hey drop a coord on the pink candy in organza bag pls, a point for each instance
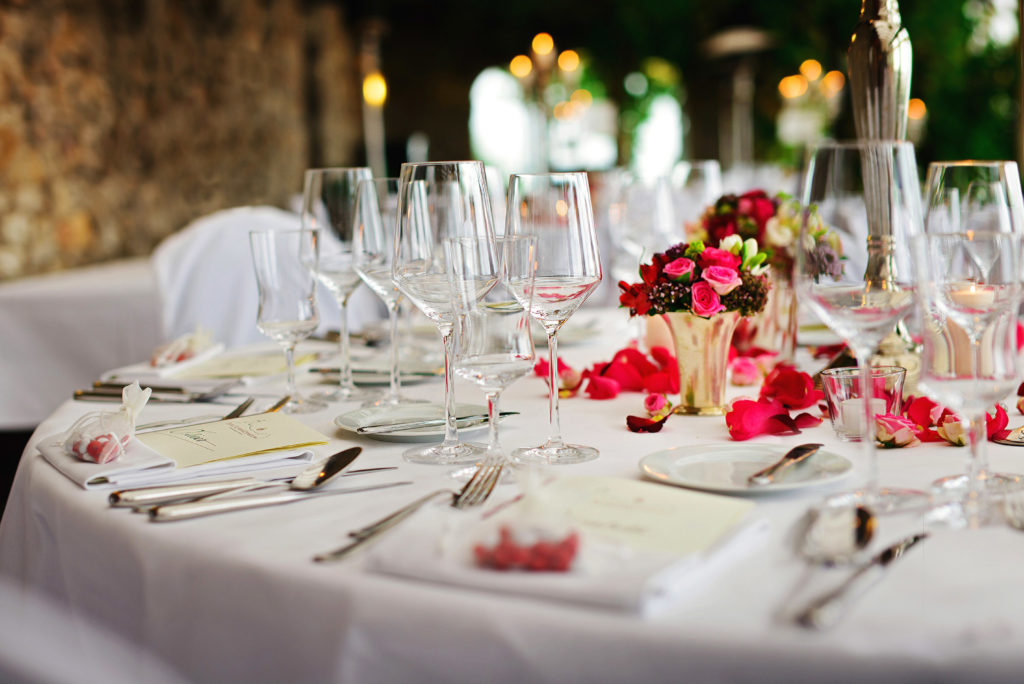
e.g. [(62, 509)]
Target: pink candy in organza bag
[(101, 436)]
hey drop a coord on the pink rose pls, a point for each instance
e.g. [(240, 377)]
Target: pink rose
[(895, 431), (722, 279), (744, 370), (656, 404), (680, 269), (712, 256), (952, 430), (705, 299)]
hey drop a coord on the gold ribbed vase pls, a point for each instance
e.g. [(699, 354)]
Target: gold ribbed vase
[(702, 352)]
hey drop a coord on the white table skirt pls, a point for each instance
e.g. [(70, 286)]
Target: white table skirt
[(237, 598)]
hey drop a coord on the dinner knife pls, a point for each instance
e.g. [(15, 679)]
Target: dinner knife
[(195, 509), (792, 457), (826, 610), (461, 422)]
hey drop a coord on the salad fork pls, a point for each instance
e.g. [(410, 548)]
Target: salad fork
[(473, 493)]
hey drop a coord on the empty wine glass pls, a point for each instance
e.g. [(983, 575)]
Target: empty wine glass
[(495, 346), (328, 204), (852, 265), (695, 185), (970, 361), (437, 201), (285, 262), (373, 248), (555, 209)]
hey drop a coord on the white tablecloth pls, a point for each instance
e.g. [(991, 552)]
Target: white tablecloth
[(236, 597)]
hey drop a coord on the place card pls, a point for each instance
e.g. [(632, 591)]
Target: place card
[(646, 516), (230, 439)]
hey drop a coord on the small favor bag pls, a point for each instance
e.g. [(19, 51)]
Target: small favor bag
[(101, 436)]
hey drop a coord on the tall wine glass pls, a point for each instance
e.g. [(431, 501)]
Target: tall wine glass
[(968, 195), (437, 201), (286, 282), (695, 185), (373, 248), (970, 357), (495, 346), (328, 204), (555, 208), (853, 267)]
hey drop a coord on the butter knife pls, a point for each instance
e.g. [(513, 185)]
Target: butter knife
[(461, 422), (826, 610), (792, 457), (195, 509)]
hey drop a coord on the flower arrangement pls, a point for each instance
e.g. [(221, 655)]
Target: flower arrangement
[(775, 223), (702, 280)]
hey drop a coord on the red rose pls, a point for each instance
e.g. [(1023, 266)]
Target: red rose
[(719, 227), (634, 297), (757, 205), (712, 256), (792, 388)]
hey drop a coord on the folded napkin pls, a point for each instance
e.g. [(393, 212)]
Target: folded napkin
[(436, 546), (140, 465), (145, 371)]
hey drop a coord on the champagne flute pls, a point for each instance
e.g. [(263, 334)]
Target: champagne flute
[(436, 201), (555, 208), (858, 277), (287, 313), (328, 204), (495, 345), (373, 248)]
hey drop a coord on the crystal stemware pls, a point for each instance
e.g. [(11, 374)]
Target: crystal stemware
[(695, 185), (495, 346), (437, 201), (970, 360), (285, 262), (328, 204), (555, 208), (853, 267), (373, 248)]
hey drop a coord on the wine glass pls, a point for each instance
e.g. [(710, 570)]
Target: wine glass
[(970, 361), (495, 346), (436, 201), (373, 247), (555, 208), (852, 264), (328, 204), (695, 185), (287, 313)]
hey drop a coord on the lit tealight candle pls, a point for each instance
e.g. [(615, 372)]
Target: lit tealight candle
[(974, 297)]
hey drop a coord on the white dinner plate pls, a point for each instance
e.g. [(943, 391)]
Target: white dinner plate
[(726, 468), (375, 415)]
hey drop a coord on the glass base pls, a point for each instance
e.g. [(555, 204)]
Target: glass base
[(300, 404), (388, 401), (565, 454), (349, 393), (445, 454), (994, 483), (885, 500)]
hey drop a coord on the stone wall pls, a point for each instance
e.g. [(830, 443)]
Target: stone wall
[(121, 120)]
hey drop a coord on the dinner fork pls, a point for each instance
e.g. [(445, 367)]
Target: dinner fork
[(474, 493)]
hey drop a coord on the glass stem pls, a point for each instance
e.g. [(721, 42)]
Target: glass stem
[(451, 432), (493, 413), (555, 423), (289, 361), (867, 429), (344, 364), (977, 470), (396, 381)]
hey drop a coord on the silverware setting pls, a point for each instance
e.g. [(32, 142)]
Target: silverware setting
[(179, 394), (793, 457), (236, 412), (473, 493), (826, 610), (461, 422), (378, 371)]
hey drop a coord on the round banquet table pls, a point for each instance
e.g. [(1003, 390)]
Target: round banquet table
[(236, 597)]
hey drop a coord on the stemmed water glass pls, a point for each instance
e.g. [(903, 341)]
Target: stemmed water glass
[(328, 204), (438, 201), (285, 262), (495, 346), (856, 275), (373, 248), (695, 185), (970, 361), (555, 208), (972, 195)]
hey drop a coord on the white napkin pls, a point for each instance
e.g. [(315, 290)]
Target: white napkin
[(140, 465), (435, 545), (144, 371)]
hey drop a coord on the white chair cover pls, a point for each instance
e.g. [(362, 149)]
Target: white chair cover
[(205, 277)]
